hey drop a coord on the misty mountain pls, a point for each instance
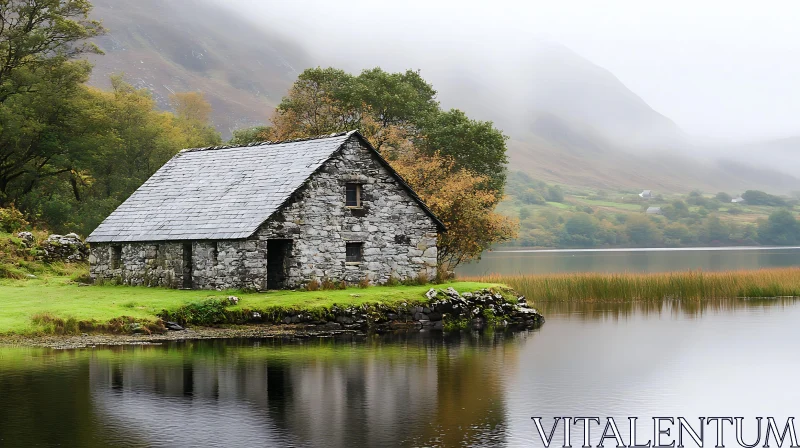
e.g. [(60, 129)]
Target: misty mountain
[(194, 45), (562, 83), (569, 120)]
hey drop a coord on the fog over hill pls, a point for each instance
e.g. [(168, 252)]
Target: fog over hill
[(569, 119), (186, 45)]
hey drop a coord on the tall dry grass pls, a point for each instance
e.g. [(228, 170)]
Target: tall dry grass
[(689, 285)]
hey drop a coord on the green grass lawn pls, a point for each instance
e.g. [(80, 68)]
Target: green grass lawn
[(61, 298)]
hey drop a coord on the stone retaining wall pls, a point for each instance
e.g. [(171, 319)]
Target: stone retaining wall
[(443, 310)]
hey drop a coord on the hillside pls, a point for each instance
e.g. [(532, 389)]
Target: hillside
[(567, 85), (193, 45), (570, 121)]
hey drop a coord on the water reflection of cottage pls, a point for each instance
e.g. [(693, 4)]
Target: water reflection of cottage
[(254, 395)]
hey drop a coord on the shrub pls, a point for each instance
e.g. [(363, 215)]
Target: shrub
[(392, 281), (312, 285), (328, 284), (756, 197), (206, 312), (12, 220)]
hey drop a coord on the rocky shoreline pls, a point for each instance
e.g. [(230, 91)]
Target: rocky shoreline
[(443, 311)]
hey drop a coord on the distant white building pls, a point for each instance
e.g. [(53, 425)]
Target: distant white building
[(737, 200), (646, 194), (653, 210)]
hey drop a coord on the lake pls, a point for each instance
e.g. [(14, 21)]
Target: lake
[(727, 358), (510, 262)]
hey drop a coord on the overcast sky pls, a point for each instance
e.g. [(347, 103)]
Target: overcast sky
[(721, 69)]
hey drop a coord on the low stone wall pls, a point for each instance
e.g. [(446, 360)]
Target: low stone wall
[(444, 310)]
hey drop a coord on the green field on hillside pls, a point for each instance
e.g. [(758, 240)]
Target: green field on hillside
[(563, 216)]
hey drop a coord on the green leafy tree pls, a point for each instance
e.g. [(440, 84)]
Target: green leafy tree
[(723, 197), (716, 231), (641, 230), (554, 194), (39, 89), (756, 197), (581, 224), (780, 229), (475, 145), (246, 136), (395, 109), (37, 36)]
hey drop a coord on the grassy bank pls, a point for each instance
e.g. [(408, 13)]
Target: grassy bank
[(18, 261), (689, 285), (56, 304)]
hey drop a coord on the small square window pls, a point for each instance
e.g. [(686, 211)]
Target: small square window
[(354, 252), (352, 195)]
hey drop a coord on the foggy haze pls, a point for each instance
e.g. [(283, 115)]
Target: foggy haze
[(720, 70)]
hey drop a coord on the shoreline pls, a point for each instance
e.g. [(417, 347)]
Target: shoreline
[(68, 342), (253, 331), (442, 310)]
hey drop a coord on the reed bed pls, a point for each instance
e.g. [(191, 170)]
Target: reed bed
[(623, 287)]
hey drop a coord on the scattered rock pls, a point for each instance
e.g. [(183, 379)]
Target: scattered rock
[(67, 248), (233, 300), (27, 238), (431, 294), (172, 326), (330, 326), (136, 328)]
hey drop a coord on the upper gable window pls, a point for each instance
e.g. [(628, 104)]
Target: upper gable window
[(352, 195)]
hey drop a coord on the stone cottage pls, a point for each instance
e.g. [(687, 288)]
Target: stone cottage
[(269, 216)]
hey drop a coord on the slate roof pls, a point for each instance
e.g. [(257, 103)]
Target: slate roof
[(222, 192)]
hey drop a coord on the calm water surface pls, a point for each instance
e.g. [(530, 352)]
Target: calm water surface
[(725, 358), (631, 260)]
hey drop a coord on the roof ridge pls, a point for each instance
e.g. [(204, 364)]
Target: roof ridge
[(270, 142)]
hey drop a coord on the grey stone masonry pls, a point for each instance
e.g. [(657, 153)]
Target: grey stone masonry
[(392, 233), (399, 238)]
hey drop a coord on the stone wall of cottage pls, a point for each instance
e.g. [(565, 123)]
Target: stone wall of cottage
[(140, 264), (216, 265), (398, 237)]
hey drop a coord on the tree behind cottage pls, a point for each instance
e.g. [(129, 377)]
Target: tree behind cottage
[(388, 107), (456, 165)]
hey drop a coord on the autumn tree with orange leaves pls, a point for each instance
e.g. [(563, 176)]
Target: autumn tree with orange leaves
[(455, 164)]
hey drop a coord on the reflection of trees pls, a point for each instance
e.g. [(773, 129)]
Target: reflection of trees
[(470, 405), (46, 400), (401, 389)]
